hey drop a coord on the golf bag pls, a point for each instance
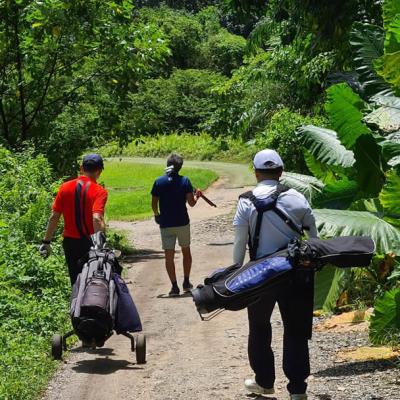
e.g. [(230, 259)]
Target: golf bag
[(94, 297), (236, 287)]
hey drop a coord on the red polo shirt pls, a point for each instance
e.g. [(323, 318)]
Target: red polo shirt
[(90, 199)]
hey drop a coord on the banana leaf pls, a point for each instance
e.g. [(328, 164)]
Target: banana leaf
[(390, 195), (308, 185), (387, 116), (329, 285), (385, 321), (324, 145)]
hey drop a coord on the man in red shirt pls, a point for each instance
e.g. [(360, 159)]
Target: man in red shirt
[(81, 202)]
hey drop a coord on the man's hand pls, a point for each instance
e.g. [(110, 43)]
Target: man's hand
[(157, 218), (45, 249), (198, 193)]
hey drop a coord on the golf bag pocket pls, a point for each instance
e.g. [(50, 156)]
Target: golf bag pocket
[(95, 320), (235, 287), (127, 317)]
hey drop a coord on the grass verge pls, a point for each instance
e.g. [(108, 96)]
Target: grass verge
[(129, 184)]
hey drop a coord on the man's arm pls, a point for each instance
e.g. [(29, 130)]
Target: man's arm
[(191, 199), (154, 205), (309, 222), (99, 224), (241, 224), (239, 246), (52, 225)]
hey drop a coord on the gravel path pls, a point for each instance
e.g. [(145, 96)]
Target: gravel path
[(191, 359)]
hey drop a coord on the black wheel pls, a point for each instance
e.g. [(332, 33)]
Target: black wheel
[(141, 349), (57, 347)]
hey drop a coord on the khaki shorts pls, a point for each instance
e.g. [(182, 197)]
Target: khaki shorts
[(169, 236)]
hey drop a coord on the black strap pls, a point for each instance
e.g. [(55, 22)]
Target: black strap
[(84, 208), (78, 213), (80, 209), (261, 208)]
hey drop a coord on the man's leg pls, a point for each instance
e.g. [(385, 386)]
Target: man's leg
[(187, 262), (296, 362), (170, 264), (183, 233), (74, 250), (296, 305), (261, 356)]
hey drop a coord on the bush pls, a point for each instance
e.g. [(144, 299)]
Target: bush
[(191, 147), (33, 292), (280, 135), (223, 52), (182, 102)]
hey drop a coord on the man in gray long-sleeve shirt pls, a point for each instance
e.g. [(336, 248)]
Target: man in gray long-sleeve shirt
[(295, 298)]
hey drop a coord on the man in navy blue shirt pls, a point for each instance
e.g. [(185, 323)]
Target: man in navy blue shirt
[(170, 193)]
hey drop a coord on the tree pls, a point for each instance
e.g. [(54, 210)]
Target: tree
[(55, 53)]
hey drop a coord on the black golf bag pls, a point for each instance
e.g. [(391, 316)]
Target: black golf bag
[(236, 287), (94, 297)]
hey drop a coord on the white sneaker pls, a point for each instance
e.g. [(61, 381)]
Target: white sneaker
[(253, 387), (298, 397)]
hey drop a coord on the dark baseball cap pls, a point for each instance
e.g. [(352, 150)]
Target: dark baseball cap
[(93, 161)]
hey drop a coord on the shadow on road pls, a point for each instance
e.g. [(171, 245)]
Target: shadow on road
[(103, 366), (105, 351), (142, 255), (357, 368), (259, 397), (166, 296)]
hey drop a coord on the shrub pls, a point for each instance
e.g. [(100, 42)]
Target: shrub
[(181, 102), (33, 292), (191, 147), (279, 135), (223, 52)]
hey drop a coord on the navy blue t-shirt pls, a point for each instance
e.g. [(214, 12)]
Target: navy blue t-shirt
[(172, 190)]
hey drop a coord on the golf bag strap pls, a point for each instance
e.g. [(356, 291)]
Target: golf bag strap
[(80, 201), (254, 242)]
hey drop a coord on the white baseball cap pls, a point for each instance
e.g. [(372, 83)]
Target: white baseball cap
[(267, 159)]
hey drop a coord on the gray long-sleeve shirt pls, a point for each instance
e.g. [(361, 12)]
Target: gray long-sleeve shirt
[(274, 233)]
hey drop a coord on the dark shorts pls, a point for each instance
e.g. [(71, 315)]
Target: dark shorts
[(74, 250)]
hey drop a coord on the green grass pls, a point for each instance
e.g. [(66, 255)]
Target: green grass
[(129, 185)]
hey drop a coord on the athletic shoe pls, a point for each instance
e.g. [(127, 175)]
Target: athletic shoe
[(187, 287), (298, 397), (174, 292), (253, 387)]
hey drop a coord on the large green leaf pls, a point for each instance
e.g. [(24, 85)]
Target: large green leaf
[(391, 146), (332, 223), (344, 110), (385, 321), (320, 170), (390, 195), (338, 194), (390, 8), (308, 185), (387, 116), (329, 285), (368, 166), (388, 66), (324, 145), (367, 43)]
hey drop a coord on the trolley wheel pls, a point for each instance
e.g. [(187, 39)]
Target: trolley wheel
[(141, 349), (57, 347)]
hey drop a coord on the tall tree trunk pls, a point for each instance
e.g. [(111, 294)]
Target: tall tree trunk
[(20, 86), (4, 122)]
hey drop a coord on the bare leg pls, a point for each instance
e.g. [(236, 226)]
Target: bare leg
[(170, 264), (187, 261)]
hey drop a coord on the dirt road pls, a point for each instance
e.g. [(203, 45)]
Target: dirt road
[(187, 358)]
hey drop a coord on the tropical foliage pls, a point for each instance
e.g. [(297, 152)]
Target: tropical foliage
[(356, 164)]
